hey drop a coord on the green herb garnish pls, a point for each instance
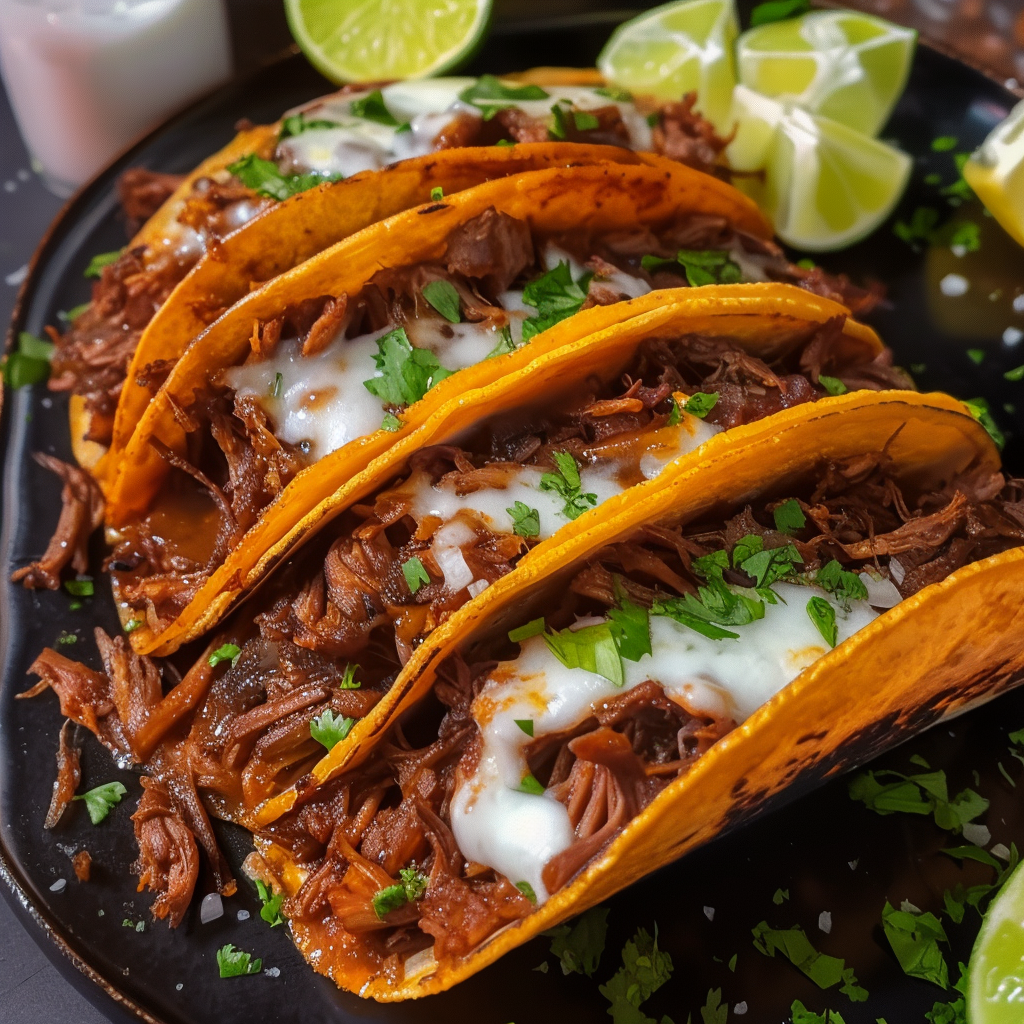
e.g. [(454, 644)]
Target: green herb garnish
[(825, 971), (101, 260), (915, 939), (789, 517), (532, 628), (566, 483), (700, 266), (329, 729), (918, 794), (99, 801), (944, 143), (373, 108), (407, 373), (591, 648), (505, 343), (777, 10), (226, 652), (412, 886), (823, 615), (842, 584), (527, 890), (526, 724), (296, 124), (233, 963), (645, 968), (29, 363), (348, 679), (525, 520), (976, 355), (530, 785), (391, 423), (555, 296), (630, 625), (979, 409), (490, 94), (833, 385), (415, 574), (271, 909), (701, 403), (83, 587), (444, 298), (265, 178)]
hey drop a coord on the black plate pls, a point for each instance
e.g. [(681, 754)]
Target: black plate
[(830, 854)]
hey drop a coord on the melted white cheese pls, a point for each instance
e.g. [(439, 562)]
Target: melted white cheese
[(428, 106), (518, 833)]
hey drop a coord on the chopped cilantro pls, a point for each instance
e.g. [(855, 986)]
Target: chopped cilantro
[(101, 260), (29, 363), (233, 963), (558, 129), (714, 1011), (391, 423), (132, 624), (915, 939), (348, 679), (407, 373), (921, 227), (412, 886), (566, 483), (770, 565), (526, 724), (504, 142), (490, 94), (979, 409), (645, 968), (555, 296), (437, 193), (675, 415), (226, 652), (777, 10), (965, 237), (976, 355), (956, 901), (630, 625), (82, 587), (933, 179), (71, 315), (525, 520), (271, 909), (732, 962), (265, 178), (1014, 375), (801, 1015), (959, 191), (532, 628), (415, 574), (505, 343), (529, 784), (66, 638), (329, 729), (444, 298), (701, 404), (944, 143), (373, 108), (700, 266), (527, 890), (955, 1011), (789, 517), (844, 585), (833, 385), (806, 264), (579, 945), (715, 606), (780, 895), (100, 800), (296, 124), (275, 388), (614, 93), (823, 615), (825, 971), (584, 121), (592, 648), (918, 794)]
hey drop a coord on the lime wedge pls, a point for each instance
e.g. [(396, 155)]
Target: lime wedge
[(996, 173), (995, 976), (825, 185), (847, 66), (675, 49), (377, 40)]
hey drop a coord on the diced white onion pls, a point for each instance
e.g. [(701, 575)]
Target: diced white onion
[(211, 908), (882, 593), (896, 570)]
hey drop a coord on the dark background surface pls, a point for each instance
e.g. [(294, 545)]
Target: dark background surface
[(808, 847)]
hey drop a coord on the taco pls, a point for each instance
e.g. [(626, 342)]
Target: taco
[(796, 602), (359, 129)]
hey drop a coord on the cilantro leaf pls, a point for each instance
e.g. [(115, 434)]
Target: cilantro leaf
[(918, 794), (778, 10), (415, 574), (566, 483), (531, 785), (915, 939), (700, 266), (100, 800), (701, 403), (29, 363), (789, 517), (265, 178), (83, 587), (675, 415), (979, 409), (391, 423), (920, 228), (101, 260), (716, 605), (579, 945), (444, 298), (799, 1012), (955, 1011), (585, 121), (712, 564), (329, 729), (490, 94), (714, 1011), (526, 724), (614, 93), (407, 373), (532, 628), (437, 193), (527, 890), (770, 565), (842, 584), (833, 385), (412, 885), (780, 896), (555, 296), (823, 615), (296, 124), (630, 625), (558, 129), (271, 909), (505, 343), (825, 971), (525, 520), (592, 648), (71, 315), (226, 652), (373, 108), (348, 678), (645, 968), (234, 963)]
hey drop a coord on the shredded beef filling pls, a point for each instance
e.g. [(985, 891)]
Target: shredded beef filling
[(357, 833)]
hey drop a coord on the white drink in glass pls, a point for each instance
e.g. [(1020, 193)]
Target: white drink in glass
[(86, 78)]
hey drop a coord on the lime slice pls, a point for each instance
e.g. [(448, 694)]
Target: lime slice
[(675, 49), (825, 185), (847, 66), (995, 976), (376, 40), (996, 173)]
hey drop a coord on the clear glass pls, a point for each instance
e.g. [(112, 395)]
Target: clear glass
[(86, 78)]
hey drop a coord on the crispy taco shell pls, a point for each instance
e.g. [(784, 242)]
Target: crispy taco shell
[(766, 319), (949, 647)]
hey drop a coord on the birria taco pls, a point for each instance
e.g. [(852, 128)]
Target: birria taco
[(333, 363), (797, 601), (195, 219)]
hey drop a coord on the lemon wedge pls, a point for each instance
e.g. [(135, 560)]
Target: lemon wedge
[(996, 173)]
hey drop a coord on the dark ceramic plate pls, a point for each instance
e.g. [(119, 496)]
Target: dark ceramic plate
[(830, 854)]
